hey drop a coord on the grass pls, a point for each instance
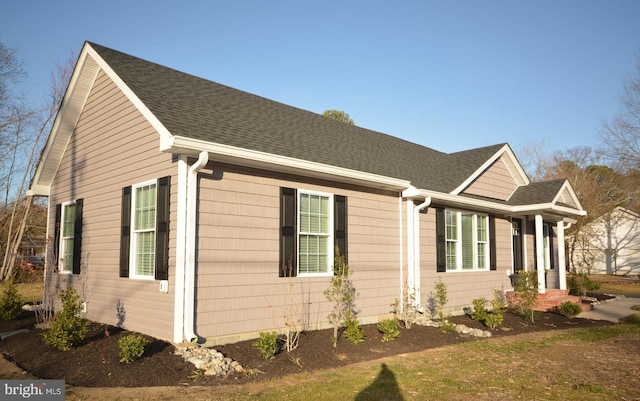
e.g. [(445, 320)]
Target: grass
[(549, 366), (500, 369), (610, 284)]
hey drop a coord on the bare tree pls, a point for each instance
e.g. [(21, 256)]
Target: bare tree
[(27, 129), (621, 135), (536, 158)]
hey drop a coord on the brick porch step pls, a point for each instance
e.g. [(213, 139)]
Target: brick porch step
[(552, 298)]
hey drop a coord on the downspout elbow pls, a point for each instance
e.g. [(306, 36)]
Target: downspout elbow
[(189, 282), (424, 204)]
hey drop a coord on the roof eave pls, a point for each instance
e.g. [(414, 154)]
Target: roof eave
[(283, 164), (492, 207)]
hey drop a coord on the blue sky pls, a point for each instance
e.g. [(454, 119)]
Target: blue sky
[(451, 75)]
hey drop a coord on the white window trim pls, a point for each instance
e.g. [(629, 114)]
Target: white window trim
[(458, 242), (134, 238), (330, 236), (65, 266)]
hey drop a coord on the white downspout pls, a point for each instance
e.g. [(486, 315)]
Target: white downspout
[(410, 254), (400, 217), (190, 246), (178, 319), (416, 249)]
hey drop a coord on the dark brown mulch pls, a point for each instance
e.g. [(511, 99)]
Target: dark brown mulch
[(95, 363)]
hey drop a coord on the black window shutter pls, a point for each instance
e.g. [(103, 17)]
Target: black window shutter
[(77, 237), (492, 243), (288, 231), (340, 225), (441, 251), (125, 231), (162, 228), (56, 235)]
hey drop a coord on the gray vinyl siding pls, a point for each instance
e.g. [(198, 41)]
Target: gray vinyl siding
[(238, 288), (496, 182), (113, 146), (463, 287)]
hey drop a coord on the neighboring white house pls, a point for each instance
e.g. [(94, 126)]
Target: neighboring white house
[(612, 244)]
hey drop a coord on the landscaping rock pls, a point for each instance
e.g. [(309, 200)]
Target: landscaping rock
[(212, 362)]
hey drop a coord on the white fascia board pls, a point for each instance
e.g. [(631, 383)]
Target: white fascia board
[(567, 186), (505, 150), (257, 159)]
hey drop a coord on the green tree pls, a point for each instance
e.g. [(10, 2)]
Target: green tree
[(338, 115)]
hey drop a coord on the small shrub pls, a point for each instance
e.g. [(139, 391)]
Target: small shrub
[(131, 347), (526, 294), (11, 302), (494, 320), (267, 344), (353, 332), (67, 328), (579, 283), (341, 294), (479, 312), (441, 300), (389, 329), (407, 311), (569, 309), (631, 319), (498, 302)]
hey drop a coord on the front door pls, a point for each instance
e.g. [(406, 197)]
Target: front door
[(516, 231)]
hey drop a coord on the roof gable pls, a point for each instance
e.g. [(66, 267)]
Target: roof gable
[(498, 177)]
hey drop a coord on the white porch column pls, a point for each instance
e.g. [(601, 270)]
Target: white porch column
[(562, 268), (540, 254)]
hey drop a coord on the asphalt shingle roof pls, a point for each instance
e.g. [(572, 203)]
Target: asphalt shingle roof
[(537, 192), (196, 108)]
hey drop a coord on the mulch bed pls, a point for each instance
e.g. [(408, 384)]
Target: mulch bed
[(95, 363)]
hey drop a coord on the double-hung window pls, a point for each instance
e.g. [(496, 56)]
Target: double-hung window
[(313, 224), (467, 241), (68, 236), (143, 240), (145, 230), (315, 253)]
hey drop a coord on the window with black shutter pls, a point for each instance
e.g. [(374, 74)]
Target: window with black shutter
[(307, 242)]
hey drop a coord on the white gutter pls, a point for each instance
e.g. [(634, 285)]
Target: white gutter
[(258, 159), (190, 246), (491, 206)]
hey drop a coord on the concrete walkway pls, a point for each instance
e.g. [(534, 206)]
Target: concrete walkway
[(613, 310)]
